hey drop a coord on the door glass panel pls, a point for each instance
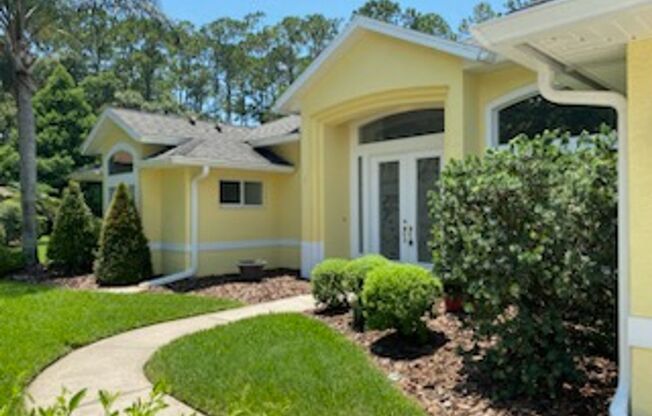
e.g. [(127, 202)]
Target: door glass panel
[(427, 176), (389, 200)]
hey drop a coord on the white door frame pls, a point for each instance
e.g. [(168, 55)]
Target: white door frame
[(431, 145)]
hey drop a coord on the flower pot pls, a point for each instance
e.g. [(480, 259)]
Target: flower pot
[(454, 304), (253, 270)]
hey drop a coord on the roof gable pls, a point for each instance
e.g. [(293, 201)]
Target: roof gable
[(285, 104)]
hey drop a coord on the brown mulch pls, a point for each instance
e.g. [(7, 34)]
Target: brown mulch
[(277, 284), (437, 377)]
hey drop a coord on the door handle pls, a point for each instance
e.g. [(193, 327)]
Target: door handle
[(411, 242), (405, 232)]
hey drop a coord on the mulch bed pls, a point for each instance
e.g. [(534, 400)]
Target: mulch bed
[(436, 376), (277, 284)]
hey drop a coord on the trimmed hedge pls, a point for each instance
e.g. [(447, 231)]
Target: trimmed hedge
[(123, 256), (327, 281), (356, 274), (74, 236), (397, 296)]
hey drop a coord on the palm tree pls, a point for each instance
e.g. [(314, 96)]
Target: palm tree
[(26, 25)]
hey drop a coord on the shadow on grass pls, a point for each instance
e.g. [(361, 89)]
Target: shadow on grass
[(396, 347)]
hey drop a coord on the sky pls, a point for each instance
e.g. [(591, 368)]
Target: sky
[(204, 11)]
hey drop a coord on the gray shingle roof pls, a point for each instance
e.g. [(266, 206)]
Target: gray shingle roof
[(274, 129), (199, 141), (154, 125)]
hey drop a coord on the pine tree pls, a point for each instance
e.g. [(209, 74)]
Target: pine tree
[(74, 235), (63, 119), (123, 256)]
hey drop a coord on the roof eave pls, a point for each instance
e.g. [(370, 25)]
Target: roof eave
[(276, 140), (174, 161)]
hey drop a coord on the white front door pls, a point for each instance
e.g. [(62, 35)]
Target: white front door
[(399, 211)]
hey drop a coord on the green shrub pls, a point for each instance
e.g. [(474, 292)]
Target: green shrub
[(74, 236), (11, 220), (528, 236), (358, 269), (327, 281), (397, 296), (355, 274), (123, 254), (11, 259)]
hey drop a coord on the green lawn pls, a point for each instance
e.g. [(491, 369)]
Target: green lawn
[(272, 365), (42, 249), (39, 324)]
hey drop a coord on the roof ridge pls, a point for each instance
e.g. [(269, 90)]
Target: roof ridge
[(176, 116)]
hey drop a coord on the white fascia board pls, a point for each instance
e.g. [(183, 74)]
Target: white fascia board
[(275, 140), (186, 161), (515, 27), (465, 51)]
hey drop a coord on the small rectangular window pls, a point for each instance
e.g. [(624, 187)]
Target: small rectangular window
[(229, 192), (253, 193), (242, 193)]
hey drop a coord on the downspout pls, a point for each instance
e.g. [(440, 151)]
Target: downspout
[(194, 237), (620, 403)]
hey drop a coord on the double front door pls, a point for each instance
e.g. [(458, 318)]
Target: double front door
[(399, 205)]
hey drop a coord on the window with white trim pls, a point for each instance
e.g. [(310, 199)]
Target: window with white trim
[(533, 114), (241, 193)]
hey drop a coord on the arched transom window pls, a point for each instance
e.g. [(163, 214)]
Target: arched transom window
[(121, 162), (401, 125)]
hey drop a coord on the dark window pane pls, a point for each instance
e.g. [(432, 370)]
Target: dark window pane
[(535, 114), (253, 193), (229, 192), (427, 176), (408, 124), (389, 203), (121, 162)]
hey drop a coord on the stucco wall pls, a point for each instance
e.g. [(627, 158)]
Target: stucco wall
[(639, 70)]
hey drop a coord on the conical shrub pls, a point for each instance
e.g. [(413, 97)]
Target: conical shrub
[(74, 236), (123, 257)]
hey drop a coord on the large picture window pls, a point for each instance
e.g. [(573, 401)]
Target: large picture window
[(534, 114), (241, 193), (402, 125)]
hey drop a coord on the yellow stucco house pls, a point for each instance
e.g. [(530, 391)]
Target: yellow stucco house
[(368, 127)]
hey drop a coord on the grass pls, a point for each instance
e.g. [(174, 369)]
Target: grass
[(38, 324), (287, 364)]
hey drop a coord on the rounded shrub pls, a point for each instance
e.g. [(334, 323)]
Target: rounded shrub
[(355, 274), (11, 259), (327, 281), (74, 235), (397, 296), (123, 256), (358, 269)]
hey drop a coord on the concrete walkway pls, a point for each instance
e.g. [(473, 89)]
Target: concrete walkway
[(116, 364)]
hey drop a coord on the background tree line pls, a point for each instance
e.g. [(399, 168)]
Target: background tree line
[(63, 61)]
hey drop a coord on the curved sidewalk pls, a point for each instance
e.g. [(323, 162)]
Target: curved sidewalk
[(116, 364)]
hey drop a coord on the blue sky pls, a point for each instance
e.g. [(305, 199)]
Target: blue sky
[(203, 11)]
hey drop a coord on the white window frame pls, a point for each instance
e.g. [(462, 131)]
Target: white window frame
[(492, 112), (128, 178), (242, 203)]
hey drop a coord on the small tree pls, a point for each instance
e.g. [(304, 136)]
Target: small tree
[(527, 236), (74, 235), (123, 256)]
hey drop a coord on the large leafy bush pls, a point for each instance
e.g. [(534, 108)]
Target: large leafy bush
[(327, 281), (528, 236), (123, 255), (397, 296), (74, 235)]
